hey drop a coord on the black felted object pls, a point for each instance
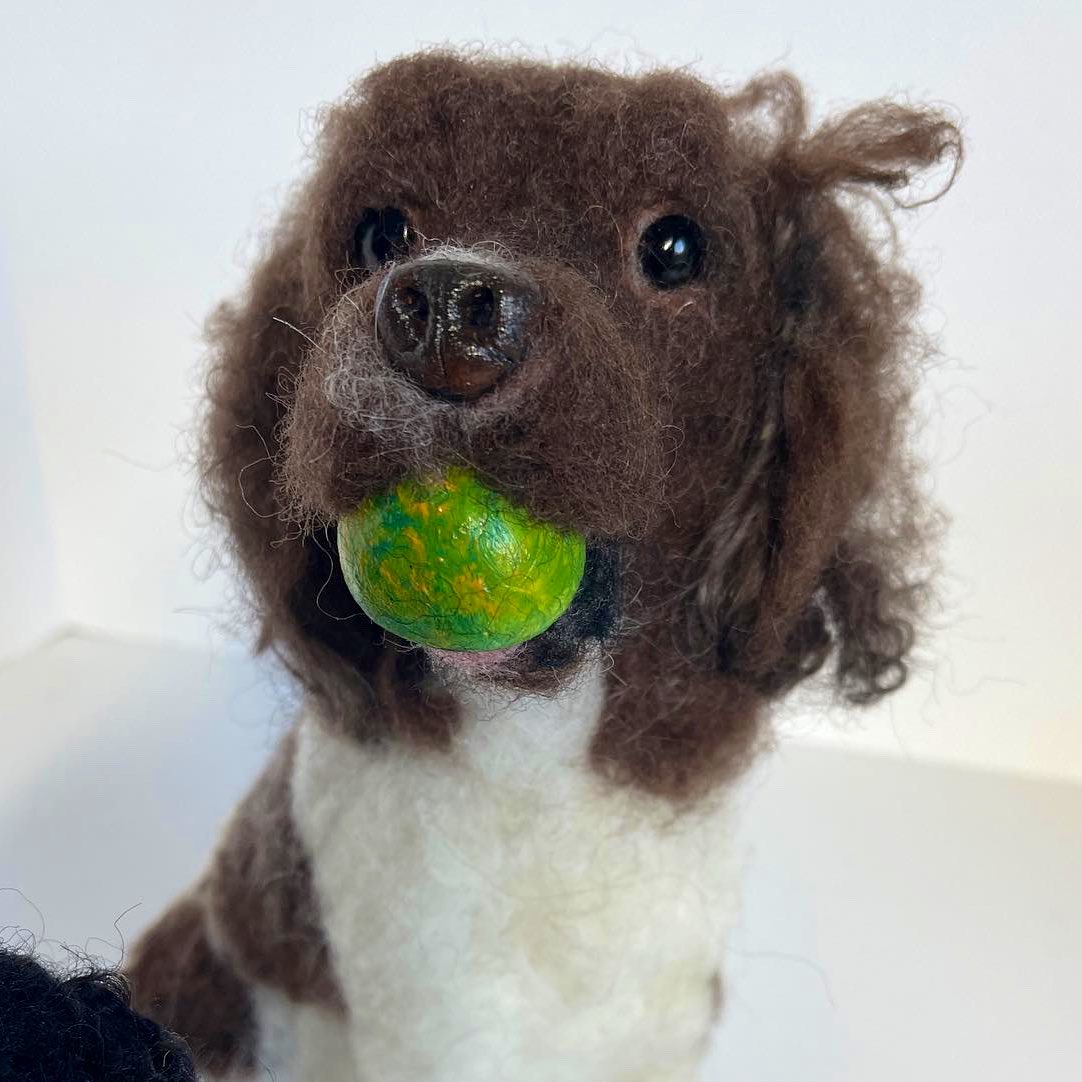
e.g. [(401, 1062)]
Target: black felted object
[(79, 1028)]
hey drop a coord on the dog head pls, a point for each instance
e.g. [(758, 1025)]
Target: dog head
[(641, 309)]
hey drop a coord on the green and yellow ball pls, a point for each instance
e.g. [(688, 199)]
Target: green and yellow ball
[(448, 563)]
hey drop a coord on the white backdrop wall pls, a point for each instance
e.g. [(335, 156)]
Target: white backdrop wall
[(28, 595), (144, 146)]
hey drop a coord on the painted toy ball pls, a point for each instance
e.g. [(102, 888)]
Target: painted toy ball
[(448, 563)]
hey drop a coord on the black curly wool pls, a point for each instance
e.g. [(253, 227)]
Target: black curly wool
[(79, 1029)]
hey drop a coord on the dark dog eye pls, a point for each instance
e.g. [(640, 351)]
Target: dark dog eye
[(380, 236), (671, 251)]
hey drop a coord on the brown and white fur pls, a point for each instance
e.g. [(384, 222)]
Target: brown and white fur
[(520, 869)]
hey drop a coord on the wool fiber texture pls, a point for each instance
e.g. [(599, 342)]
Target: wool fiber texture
[(521, 869), (741, 443), (79, 1028)]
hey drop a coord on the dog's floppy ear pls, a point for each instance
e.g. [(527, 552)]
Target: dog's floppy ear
[(821, 547), (258, 345), (884, 144)]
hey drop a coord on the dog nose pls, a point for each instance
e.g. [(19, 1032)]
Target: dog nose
[(455, 327)]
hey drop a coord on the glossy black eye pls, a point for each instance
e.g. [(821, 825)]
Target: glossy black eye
[(671, 251), (380, 236)]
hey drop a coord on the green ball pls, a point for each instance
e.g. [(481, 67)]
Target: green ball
[(449, 563)]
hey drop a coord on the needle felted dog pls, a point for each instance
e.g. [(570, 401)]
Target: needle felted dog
[(647, 316)]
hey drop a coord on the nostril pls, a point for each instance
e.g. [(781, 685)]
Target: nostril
[(478, 306)]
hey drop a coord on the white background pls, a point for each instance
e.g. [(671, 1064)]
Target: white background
[(143, 145)]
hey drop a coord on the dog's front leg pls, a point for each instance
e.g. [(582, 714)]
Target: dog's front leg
[(238, 966)]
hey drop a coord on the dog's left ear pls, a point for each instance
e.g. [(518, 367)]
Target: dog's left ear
[(885, 145), (820, 548)]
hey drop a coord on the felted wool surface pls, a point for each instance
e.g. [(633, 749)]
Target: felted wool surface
[(508, 915), (454, 886), (79, 1028), (739, 442)]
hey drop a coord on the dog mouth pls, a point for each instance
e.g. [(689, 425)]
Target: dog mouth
[(475, 662), (451, 568)]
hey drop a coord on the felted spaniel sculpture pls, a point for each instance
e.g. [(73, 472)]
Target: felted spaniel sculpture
[(645, 311)]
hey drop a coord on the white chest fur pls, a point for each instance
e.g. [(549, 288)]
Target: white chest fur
[(500, 913)]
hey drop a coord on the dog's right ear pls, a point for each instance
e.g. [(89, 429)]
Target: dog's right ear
[(259, 344)]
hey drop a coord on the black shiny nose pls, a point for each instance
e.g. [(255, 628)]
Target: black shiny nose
[(455, 327)]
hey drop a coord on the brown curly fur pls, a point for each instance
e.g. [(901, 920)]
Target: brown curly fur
[(741, 439)]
